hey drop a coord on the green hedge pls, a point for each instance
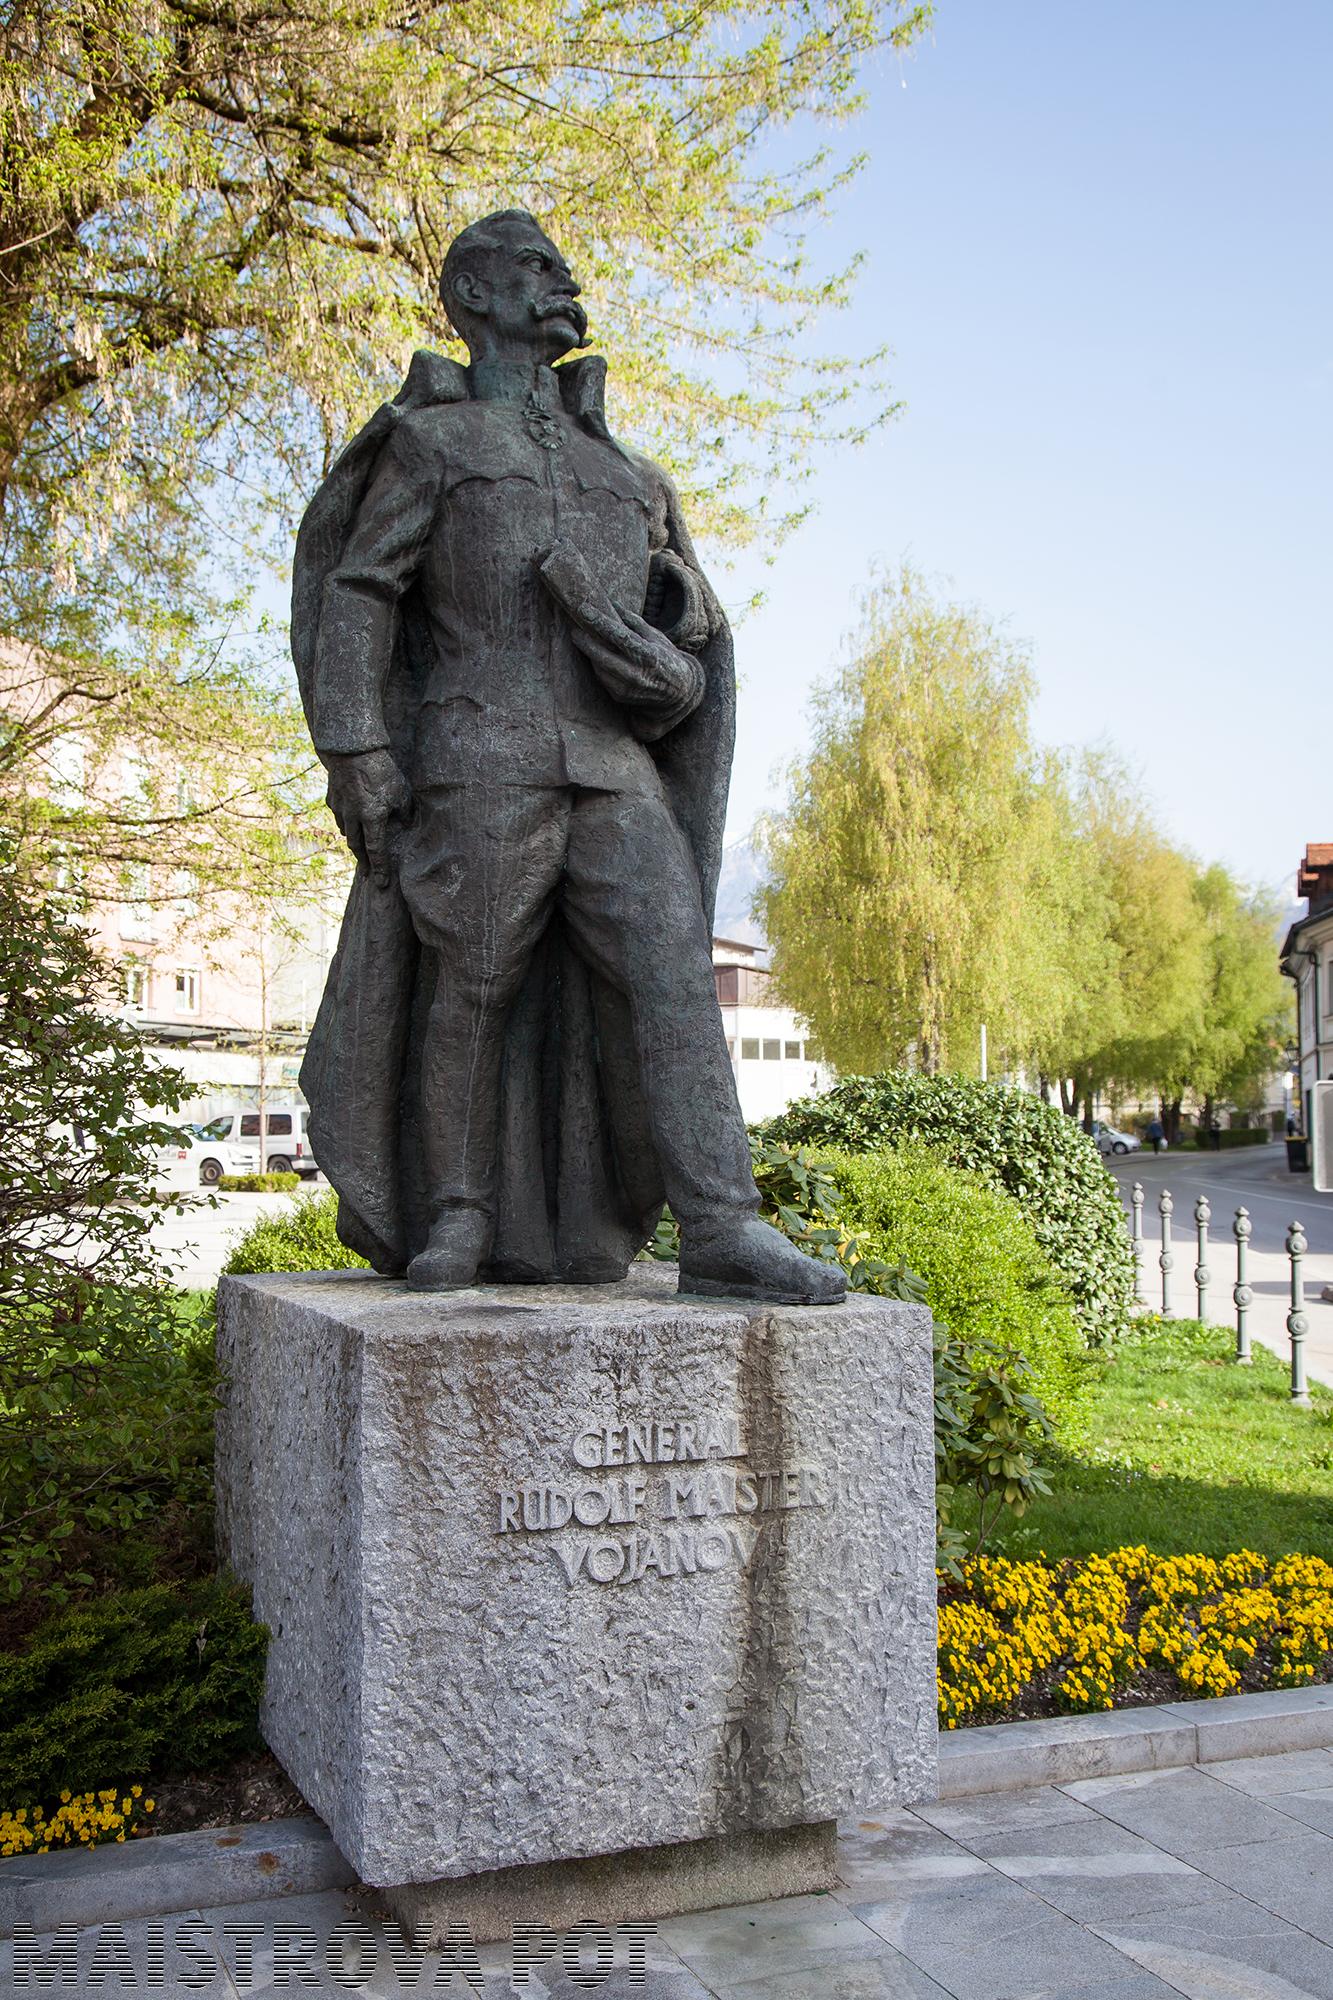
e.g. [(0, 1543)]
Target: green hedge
[(147, 1682), (303, 1237), (1012, 1140), (259, 1183), (986, 1276)]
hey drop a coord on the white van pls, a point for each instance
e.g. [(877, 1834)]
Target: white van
[(287, 1148)]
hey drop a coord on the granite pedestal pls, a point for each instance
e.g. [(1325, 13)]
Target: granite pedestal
[(557, 1574)]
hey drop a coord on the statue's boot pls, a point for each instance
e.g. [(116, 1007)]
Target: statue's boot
[(457, 1243), (742, 1257)]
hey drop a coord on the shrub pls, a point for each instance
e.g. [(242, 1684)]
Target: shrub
[(1230, 1135), (147, 1681), (985, 1274), (1011, 1139), (259, 1183), (301, 1238), (105, 1403)]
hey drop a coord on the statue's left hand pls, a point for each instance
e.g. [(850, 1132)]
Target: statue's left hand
[(366, 791)]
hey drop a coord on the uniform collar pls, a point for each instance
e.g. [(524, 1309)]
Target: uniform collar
[(434, 378)]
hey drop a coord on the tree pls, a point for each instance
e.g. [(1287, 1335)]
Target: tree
[(222, 222), (161, 785), (926, 876), (1144, 989), (1237, 1040), (104, 1414)]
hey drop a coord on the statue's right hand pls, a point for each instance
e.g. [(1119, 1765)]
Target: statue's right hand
[(367, 790)]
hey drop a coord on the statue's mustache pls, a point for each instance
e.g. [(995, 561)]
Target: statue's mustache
[(560, 304)]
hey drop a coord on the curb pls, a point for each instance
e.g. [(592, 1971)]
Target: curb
[(296, 1857), (170, 1872), (1007, 1756)]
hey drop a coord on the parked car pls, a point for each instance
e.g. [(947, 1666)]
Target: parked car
[(214, 1153), (1109, 1140), (288, 1149)]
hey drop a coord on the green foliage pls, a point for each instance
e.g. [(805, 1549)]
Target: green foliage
[(221, 231), (927, 876), (302, 1238), (259, 1183), (1228, 1135), (1188, 1452), (1011, 1140), (985, 1275), (146, 1682), (105, 1390), (991, 1433)]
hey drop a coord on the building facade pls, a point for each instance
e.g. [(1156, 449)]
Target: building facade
[(771, 1050), (1307, 960)]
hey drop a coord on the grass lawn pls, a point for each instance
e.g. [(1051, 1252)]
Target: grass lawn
[(1187, 1452)]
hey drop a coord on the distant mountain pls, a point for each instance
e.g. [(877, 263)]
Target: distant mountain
[(741, 874)]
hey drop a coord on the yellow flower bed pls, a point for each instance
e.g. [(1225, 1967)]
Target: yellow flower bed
[(1076, 1632), (83, 1820)]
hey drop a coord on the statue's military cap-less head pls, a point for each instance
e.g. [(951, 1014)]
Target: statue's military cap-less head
[(522, 689), (505, 284)]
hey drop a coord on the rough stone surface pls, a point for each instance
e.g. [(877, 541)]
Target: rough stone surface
[(621, 1888), (453, 1696)]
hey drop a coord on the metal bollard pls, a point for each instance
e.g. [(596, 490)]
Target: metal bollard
[(1240, 1291), (1136, 1236), (1202, 1217), (1297, 1324), (1166, 1260)]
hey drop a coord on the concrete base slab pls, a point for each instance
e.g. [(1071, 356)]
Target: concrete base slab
[(637, 1885)]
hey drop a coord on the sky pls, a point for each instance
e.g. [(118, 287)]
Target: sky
[(1099, 245)]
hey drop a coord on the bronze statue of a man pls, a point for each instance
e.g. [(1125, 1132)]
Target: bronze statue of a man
[(521, 687)]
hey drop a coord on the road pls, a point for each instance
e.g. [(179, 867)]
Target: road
[(196, 1245), (1256, 1178)]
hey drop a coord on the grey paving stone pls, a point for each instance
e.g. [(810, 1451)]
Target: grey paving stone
[(544, 1968), (1094, 1870), (1128, 1985), (884, 1975), (760, 1940), (878, 1860), (1310, 1808), (167, 1956), (971, 1909), (1292, 1878), (1185, 1812), (1266, 1966), (1040, 1805), (1053, 1956), (1288, 1771)]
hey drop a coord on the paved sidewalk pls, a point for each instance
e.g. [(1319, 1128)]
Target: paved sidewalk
[(1215, 1883)]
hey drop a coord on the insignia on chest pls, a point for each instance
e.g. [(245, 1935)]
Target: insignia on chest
[(541, 426)]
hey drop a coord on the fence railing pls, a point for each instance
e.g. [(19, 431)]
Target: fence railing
[(1242, 1294)]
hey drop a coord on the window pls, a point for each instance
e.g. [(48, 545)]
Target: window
[(187, 989), (185, 892), (791, 1051), (749, 1051), (773, 1051), (136, 912), (727, 980), (250, 1125), (136, 986), (279, 1124)]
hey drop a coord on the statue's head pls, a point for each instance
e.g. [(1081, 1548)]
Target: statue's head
[(506, 288)]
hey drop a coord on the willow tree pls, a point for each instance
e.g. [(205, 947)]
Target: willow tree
[(925, 877)]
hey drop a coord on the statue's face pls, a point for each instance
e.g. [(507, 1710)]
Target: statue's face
[(526, 292)]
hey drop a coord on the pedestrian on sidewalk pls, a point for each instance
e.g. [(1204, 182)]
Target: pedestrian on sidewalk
[(1157, 1133)]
